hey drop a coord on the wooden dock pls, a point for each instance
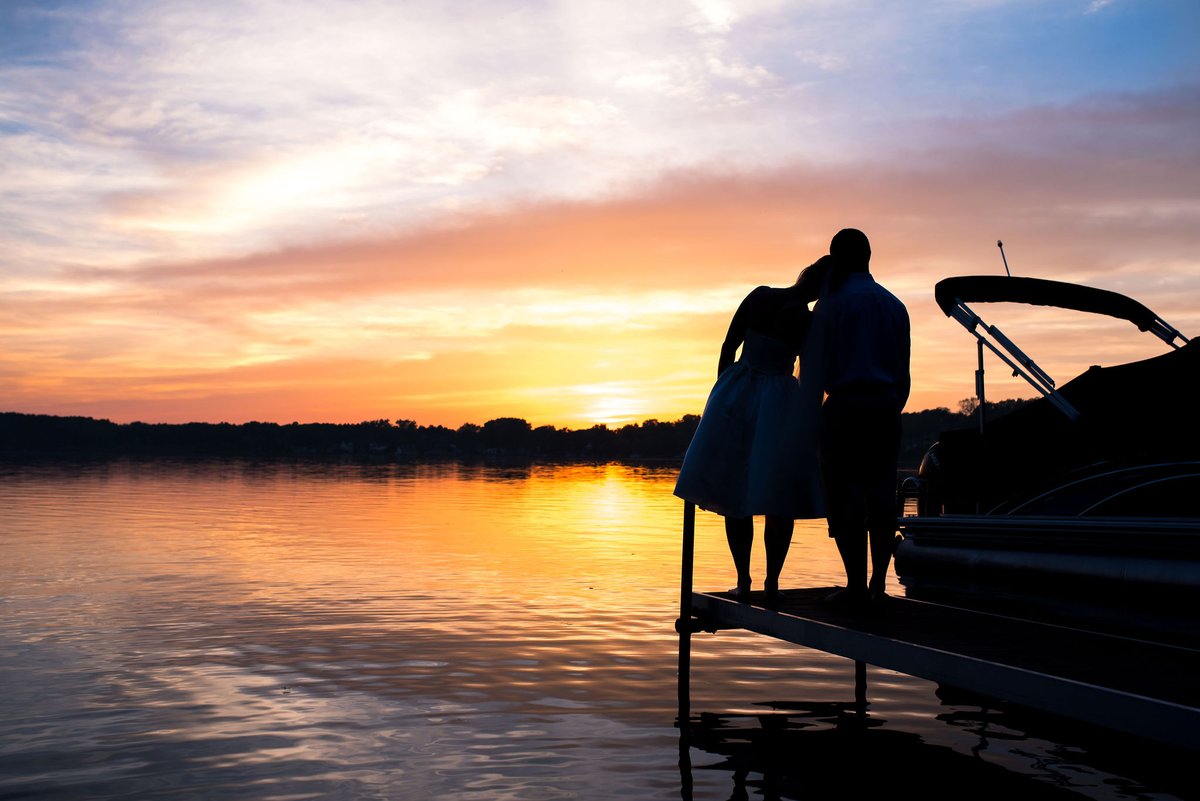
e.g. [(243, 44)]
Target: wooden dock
[(1140, 687)]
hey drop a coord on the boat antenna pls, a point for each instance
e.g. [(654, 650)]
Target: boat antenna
[(1000, 245)]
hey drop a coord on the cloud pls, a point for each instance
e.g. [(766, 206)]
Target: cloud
[(195, 206), (175, 133), (176, 130), (510, 307)]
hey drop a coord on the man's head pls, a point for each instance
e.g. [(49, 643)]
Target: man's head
[(851, 251)]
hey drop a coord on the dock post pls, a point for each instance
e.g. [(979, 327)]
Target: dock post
[(684, 624)]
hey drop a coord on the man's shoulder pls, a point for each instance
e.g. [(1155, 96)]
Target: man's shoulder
[(865, 284), (898, 311), (891, 296), (879, 289), (867, 293)]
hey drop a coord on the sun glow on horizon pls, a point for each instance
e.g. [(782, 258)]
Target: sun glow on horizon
[(613, 403)]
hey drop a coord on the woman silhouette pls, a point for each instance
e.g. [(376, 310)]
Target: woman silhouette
[(755, 451)]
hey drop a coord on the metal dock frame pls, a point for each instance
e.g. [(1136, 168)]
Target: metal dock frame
[(1147, 689)]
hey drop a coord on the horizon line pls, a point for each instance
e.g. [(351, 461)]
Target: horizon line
[(394, 421)]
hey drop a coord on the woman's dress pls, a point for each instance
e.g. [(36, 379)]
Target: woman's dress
[(755, 449)]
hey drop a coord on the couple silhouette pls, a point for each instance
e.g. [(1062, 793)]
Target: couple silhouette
[(820, 443)]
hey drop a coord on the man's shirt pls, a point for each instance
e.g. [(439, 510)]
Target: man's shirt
[(867, 341)]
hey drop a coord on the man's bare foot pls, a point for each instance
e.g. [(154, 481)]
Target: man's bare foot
[(847, 600), (774, 595)]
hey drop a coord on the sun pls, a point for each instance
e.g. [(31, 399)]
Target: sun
[(615, 410)]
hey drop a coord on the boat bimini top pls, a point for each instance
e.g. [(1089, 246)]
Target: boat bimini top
[(953, 295)]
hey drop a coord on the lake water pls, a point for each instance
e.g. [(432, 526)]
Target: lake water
[(293, 631)]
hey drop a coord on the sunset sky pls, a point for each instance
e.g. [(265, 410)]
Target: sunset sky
[(340, 210)]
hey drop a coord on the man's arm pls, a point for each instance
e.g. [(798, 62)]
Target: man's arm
[(905, 385)]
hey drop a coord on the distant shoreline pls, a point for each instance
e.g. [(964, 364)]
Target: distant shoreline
[(501, 439)]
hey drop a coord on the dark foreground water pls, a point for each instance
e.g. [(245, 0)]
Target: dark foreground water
[(274, 631)]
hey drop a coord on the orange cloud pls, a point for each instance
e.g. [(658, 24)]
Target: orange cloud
[(569, 313)]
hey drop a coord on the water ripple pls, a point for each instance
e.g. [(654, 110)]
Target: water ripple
[(278, 631)]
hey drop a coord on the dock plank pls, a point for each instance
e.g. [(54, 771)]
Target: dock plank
[(1141, 687)]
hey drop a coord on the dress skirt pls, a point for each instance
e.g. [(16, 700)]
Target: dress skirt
[(755, 451)]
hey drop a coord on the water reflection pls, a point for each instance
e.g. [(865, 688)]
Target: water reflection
[(272, 630), (821, 749), (836, 750)]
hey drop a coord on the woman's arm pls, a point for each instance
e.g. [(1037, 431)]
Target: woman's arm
[(736, 333)]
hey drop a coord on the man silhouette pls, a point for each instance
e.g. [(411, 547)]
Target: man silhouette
[(866, 379)]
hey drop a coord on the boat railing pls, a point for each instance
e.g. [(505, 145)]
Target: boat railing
[(912, 496)]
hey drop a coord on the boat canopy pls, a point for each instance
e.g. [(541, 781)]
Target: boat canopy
[(953, 294), (1040, 292)]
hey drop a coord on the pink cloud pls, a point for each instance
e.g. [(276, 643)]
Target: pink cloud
[(1101, 193)]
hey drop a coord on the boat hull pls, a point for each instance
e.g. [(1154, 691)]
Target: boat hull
[(1134, 576)]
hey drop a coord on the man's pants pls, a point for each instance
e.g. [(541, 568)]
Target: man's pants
[(860, 445)]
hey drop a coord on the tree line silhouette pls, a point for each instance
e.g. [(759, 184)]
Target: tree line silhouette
[(27, 435)]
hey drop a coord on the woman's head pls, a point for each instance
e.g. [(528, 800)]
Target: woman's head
[(812, 276)]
